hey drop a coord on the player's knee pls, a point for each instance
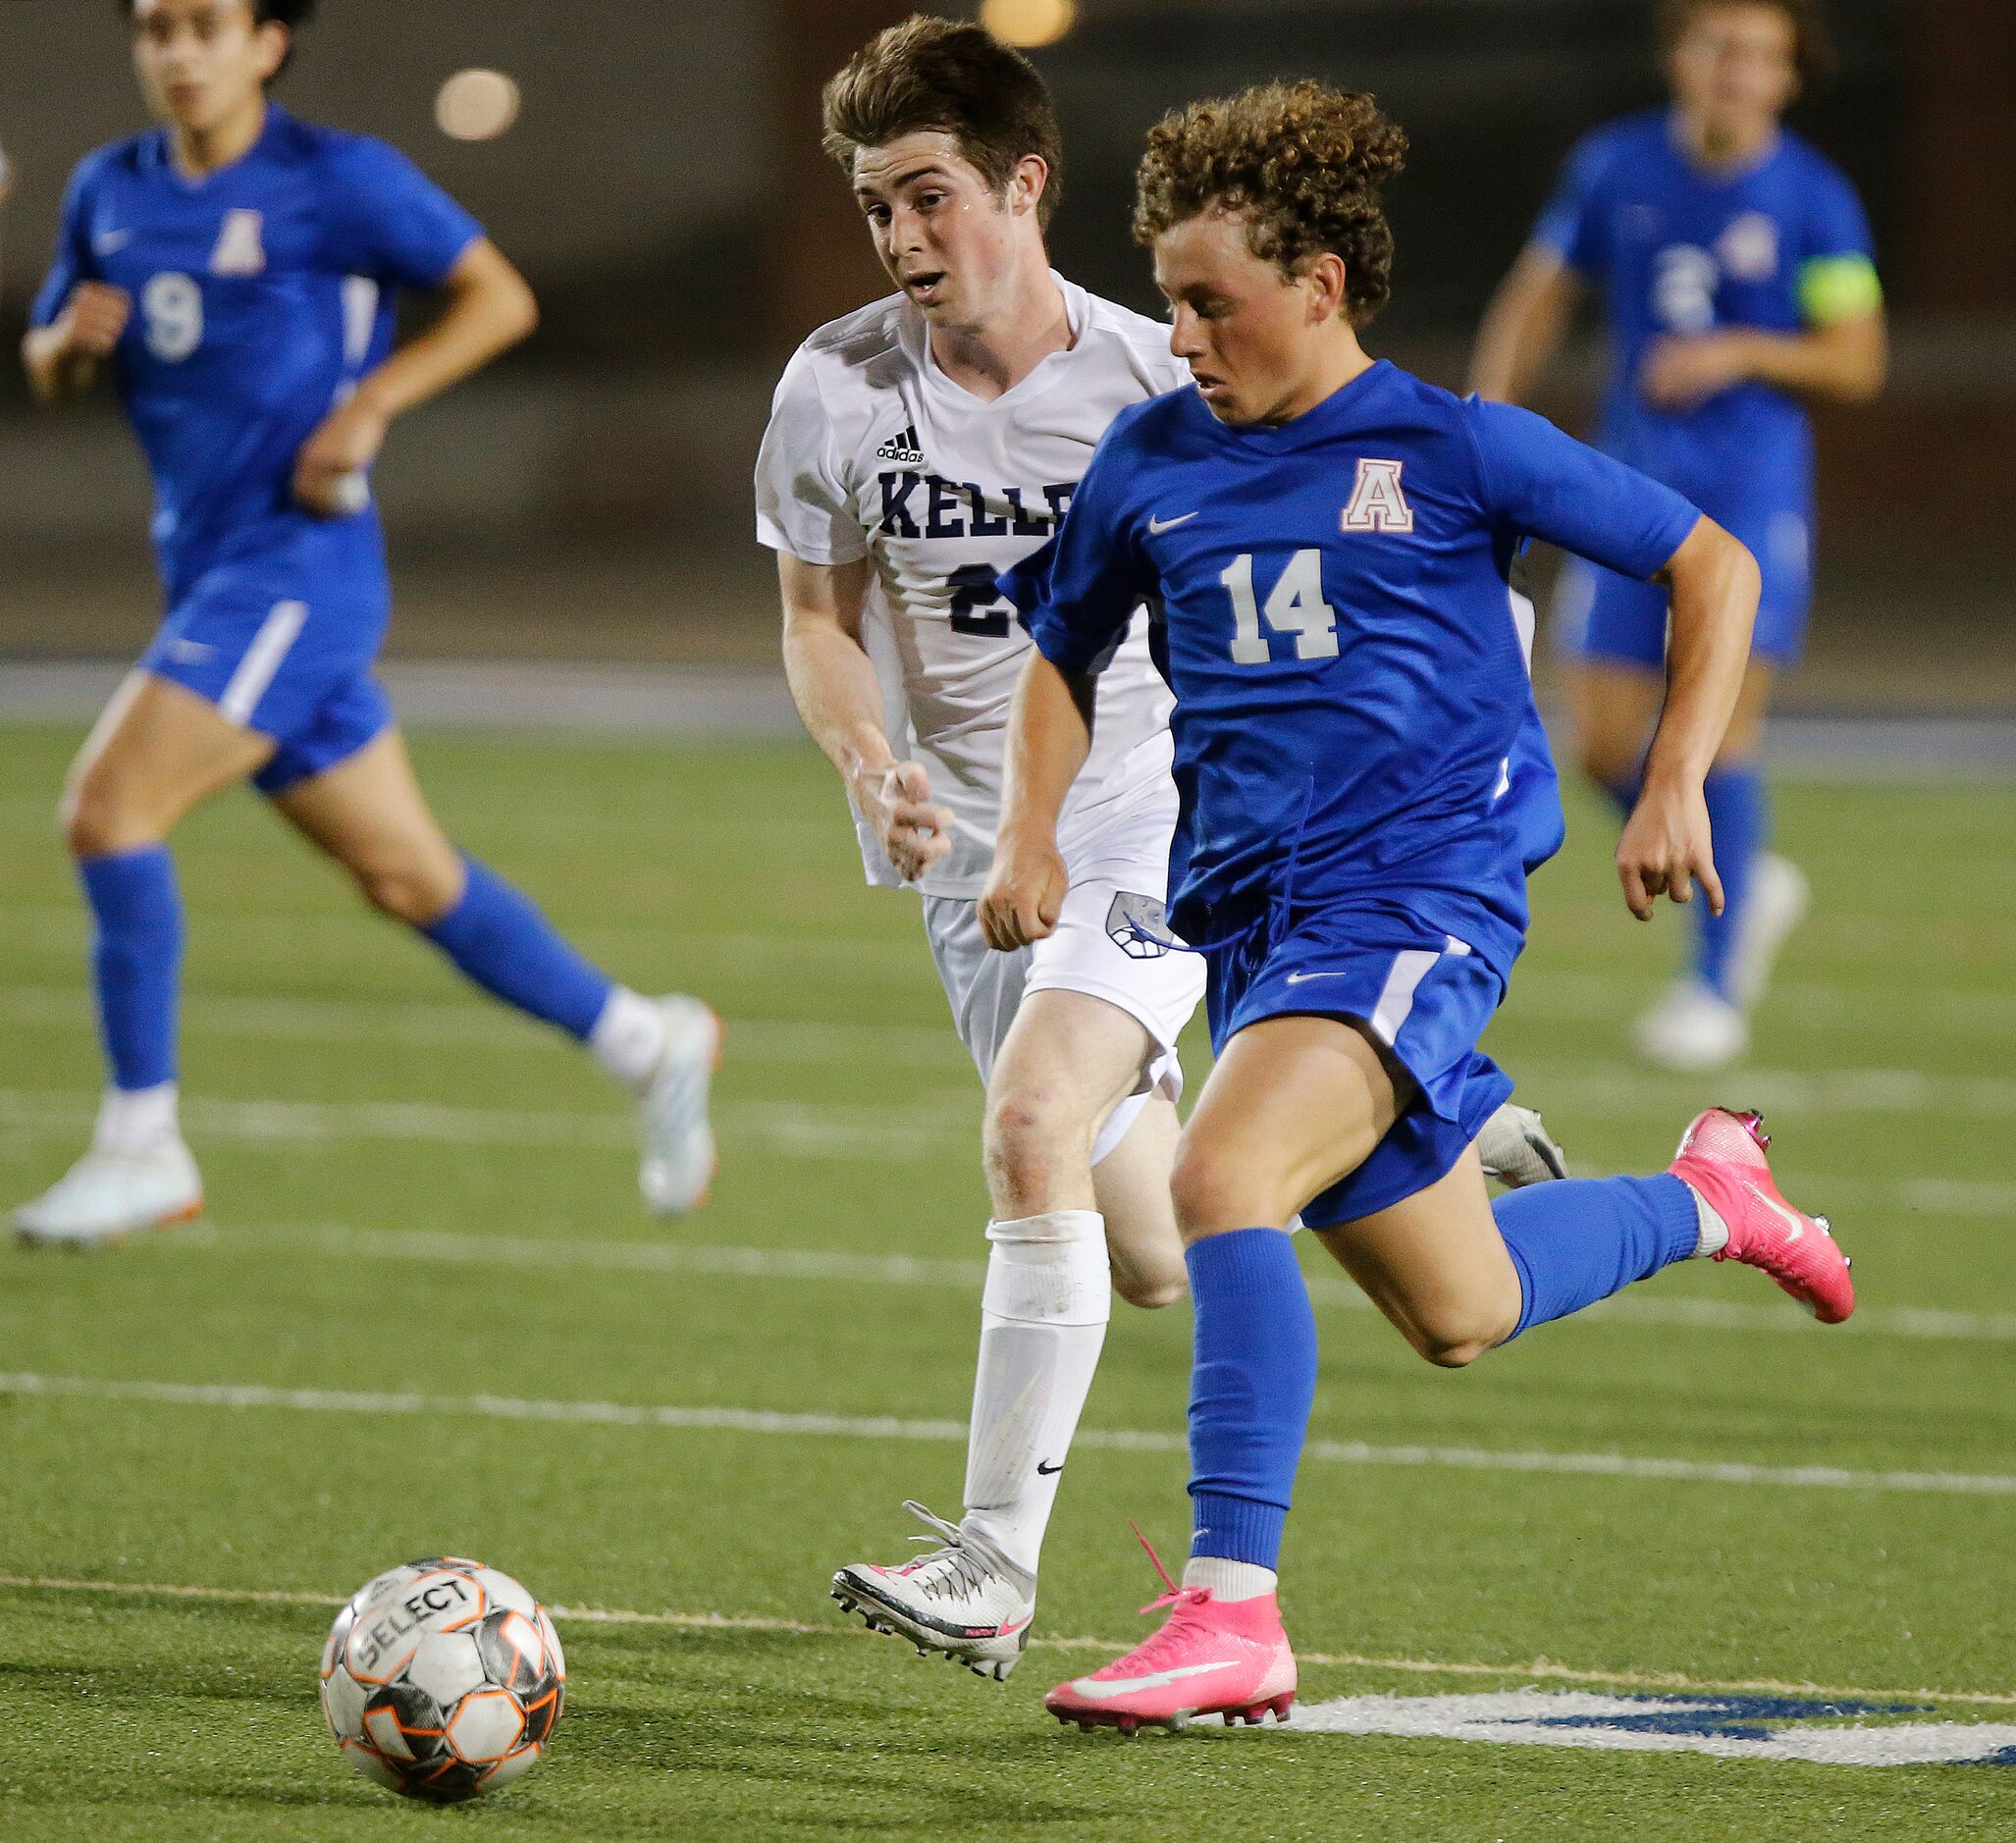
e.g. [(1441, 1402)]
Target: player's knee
[(1151, 1292), (1212, 1192), (96, 819), (407, 893), (1457, 1339), (1608, 760), (1032, 1139)]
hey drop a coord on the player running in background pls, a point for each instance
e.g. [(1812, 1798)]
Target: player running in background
[(916, 449), (1735, 267), (1327, 541), (236, 271)]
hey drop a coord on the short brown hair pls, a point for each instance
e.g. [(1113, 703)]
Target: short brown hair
[(1302, 163), (936, 76), (1813, 49)]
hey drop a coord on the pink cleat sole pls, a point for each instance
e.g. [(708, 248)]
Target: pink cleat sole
[(1721, 1157)]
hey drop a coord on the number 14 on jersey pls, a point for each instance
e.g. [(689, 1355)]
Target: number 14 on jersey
[(1295, 605)]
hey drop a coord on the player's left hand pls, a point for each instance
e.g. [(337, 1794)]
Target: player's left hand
[(1667, 848), (338, 453), (1680, 373), (1024, 896)]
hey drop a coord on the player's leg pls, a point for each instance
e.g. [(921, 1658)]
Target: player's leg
[(158, 752), (1293, 1105), (366, 810)]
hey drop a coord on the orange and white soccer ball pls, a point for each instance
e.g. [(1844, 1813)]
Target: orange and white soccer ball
[(442, 1679)]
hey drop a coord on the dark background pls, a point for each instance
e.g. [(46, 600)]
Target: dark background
[(664, 193)]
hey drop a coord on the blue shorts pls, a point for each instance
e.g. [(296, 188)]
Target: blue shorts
[(294, 666), (1605, 617), (1424, 996)]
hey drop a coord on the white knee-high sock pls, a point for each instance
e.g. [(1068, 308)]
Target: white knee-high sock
[(1042, 1319)]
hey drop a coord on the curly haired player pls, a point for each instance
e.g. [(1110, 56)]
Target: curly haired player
[(916, 447), (1328, 540)]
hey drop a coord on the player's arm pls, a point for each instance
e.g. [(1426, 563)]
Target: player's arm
[(1844, 362), (1525, 324), (488, 308), (840, 700), (1049, 736), (63, 359), (1666, 845), (1841, 355)]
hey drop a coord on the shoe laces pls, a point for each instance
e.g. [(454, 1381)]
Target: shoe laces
[(1185, 1599), (956, 1566)]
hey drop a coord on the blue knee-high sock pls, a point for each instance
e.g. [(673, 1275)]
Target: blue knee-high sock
[(499, 939), (1252, 1383), (1739, 813), (1577, 1242), (136, 961)]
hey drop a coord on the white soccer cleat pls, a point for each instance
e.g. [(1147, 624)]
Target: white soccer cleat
[(105, 1197), (964, 1599), (1779, 896), (1517, 1149), (679, 1159), (1692, 1030)]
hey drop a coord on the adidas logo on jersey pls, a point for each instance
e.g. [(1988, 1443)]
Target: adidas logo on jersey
[(902, 449)]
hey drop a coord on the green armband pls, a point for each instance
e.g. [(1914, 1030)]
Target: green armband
[(1833, 289)]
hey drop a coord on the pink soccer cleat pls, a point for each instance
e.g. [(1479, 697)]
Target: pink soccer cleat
[(1721, 1156), (1211, 1657)]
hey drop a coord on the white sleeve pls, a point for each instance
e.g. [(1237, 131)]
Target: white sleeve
[(801, 505)]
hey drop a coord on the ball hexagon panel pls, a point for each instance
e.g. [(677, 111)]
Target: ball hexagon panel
[(343, 1705), (487, 1726), (448, 1665)]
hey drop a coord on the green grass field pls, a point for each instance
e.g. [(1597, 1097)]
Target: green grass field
[(419, 1201)]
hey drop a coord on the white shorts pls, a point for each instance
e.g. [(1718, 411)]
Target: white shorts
[(1123, 860)]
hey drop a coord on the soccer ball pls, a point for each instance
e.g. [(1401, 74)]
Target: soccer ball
[(442, 1679)]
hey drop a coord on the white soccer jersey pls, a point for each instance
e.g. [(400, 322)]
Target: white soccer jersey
[(873, 451)]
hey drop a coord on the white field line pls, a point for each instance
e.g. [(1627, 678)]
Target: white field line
[(1580, 997), (1609, 1090), (433, 1248), (431, 1023), (795, 1129), (292, 939), (243, 1396), (1536, 1668)]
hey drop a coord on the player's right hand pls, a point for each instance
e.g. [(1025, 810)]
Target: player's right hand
[(897, 805), (1024, 896), (92, 320)]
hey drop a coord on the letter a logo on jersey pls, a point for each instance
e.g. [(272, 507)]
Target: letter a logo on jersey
[(1377, 502), (239, 249)]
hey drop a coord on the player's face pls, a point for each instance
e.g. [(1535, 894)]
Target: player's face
[(202, 62), (1252, 336), (1735, 68), (947, 238)]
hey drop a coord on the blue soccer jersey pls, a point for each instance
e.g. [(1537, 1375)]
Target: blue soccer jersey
[(1779, 246), (1354, 727), (262, 293), (1337, 626)]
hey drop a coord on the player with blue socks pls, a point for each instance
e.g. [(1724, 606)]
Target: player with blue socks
[(1737, 278), (1328, 540), (235, 270)]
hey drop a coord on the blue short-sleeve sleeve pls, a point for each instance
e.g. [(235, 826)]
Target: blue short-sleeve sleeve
[(390, 221), (1572, 226), (1077, 594), (1543, 483), (72, 262)]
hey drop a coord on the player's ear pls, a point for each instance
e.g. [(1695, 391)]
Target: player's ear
[(1326, 276), (273, 42), (1027, 182)]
